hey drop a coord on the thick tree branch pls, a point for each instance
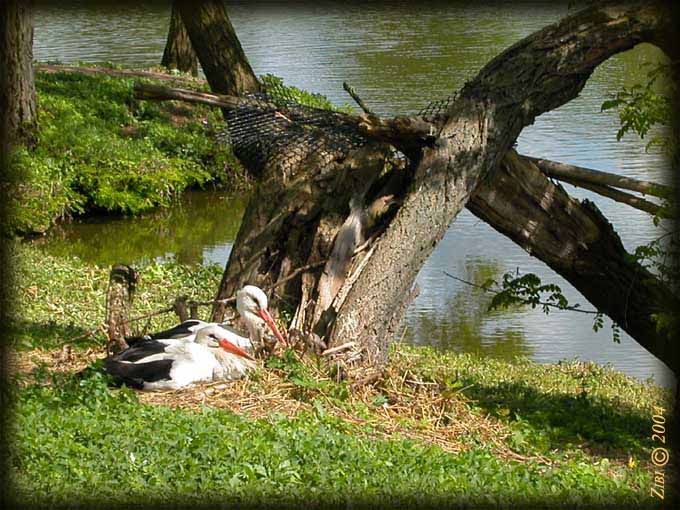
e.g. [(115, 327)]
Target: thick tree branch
[(578, 242), (579, 173), (548, 68)]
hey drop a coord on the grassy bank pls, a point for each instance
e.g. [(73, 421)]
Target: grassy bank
[(449, 427), (101, 150)]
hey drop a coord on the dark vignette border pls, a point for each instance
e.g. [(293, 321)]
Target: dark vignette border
[(353, 501)]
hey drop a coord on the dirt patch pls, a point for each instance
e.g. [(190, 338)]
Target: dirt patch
[(58, 360), (179, 114)]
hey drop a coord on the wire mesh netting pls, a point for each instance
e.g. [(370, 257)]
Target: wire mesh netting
[(274, 130), (437, 107)]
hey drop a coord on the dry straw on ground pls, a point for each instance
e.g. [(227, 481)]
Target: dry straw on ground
[(395, 403)]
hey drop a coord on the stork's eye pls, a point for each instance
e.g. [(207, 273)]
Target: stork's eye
[(212, 335)]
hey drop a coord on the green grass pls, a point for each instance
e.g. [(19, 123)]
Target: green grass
[(570, 404), (99, 149), (77, 440)]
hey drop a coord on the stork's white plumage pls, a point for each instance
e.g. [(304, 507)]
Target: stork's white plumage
[(162, 364), (252, 305)]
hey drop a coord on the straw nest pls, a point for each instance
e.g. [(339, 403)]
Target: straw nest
[(393, 403)]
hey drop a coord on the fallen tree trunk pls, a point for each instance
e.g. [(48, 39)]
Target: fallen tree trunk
[(577, 242)]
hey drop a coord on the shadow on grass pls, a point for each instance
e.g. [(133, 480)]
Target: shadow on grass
[(24, 335), (600, 424)]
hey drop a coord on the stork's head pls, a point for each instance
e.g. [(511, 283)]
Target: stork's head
[(216, 337), (251, 303)]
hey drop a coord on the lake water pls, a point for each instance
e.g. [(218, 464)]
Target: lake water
[(398, 57)]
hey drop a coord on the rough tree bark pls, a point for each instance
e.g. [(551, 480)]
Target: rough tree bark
[(179, 54), (289, 237), (291, 222), (218, 49), (578, 242), (18, 111)]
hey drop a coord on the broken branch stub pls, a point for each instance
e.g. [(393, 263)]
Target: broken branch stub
[(122, 282)]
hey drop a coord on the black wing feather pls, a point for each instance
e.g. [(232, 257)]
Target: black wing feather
[(140, 350), (179, 331)]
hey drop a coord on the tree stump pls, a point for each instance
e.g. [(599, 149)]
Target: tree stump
[(122, 282), (180, 307)]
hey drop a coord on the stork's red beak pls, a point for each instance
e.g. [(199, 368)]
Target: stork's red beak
[(228, 346), (270, 322)]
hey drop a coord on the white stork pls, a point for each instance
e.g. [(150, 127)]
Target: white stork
[(170, 364)]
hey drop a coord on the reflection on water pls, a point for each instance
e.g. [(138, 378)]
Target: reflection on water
[(194, 231), (398, 57), (465, 325)]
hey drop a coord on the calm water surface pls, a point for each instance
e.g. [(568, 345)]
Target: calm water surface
[(398, 58)]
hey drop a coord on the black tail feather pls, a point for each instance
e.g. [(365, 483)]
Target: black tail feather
[(135, 375)]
